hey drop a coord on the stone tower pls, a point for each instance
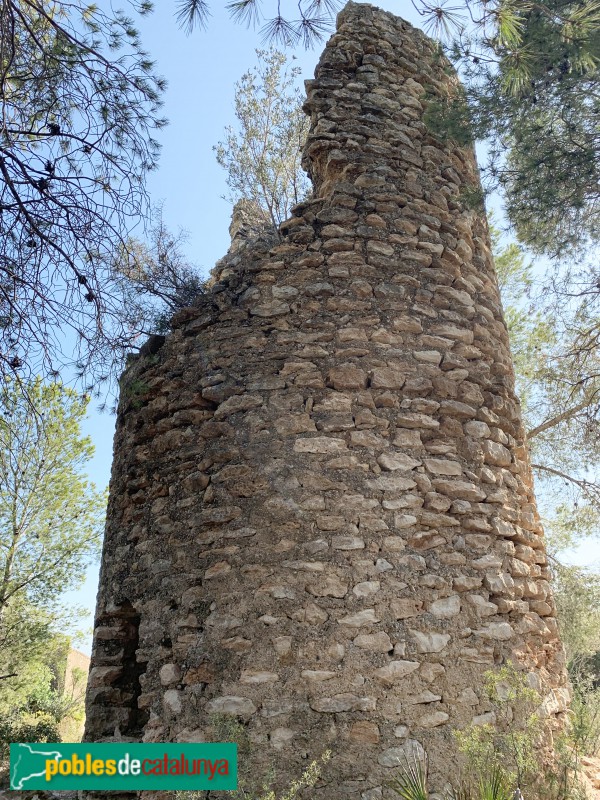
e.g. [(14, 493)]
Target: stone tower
[(321, 517)]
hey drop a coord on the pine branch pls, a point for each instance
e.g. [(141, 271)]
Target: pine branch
[(553, 421)]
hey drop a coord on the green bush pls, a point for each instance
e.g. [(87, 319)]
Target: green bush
[(510, 745), (585, 719), (34, 727), (501, 760), (492, 783), (308, 778)]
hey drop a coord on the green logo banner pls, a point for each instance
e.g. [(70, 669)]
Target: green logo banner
[(111, 766)]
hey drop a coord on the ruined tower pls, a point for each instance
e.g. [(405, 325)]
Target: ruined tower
[(321, 518)]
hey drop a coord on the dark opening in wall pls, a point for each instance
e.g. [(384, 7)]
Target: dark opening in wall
[(117, 641)]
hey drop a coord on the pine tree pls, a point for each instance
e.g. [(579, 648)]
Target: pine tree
[(51, 516), (79, 105)]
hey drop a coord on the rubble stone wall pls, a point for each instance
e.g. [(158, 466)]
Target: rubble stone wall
[(321, 516)]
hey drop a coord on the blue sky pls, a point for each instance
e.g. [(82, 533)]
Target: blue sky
[(201, 70)]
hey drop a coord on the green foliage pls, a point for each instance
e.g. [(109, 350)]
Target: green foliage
[(555, 360), (226, 728), (411, 783), (262, 154), (493, 785), (558, 390), (135, 391), (51, 516), (473, 198), (577, 595), (24, 727), (508, 746), (563, 782), (504, 755), (532, 336), (585, 718), (463, 791), (501, 758), (307, 780), (449, 116), (531, 78), (490, 783), (50, 527), (35, 704)]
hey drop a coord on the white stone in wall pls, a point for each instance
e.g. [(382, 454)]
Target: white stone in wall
[(365, 617), (376, 642), (318, 675), (282, 645), (172, 700), (439, 466), (366, 588), (343, 702), (170, 673), (445, 606), (281, 737), (395, 671), (231, 704), (483, 608), (431, 642), (433, 719), (406, 753), (397, 461), (500, 631), (258, 676)]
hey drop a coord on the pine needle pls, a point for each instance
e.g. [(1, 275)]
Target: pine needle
[(191, 13), (411, 783), (245, 11), (442, 21)]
